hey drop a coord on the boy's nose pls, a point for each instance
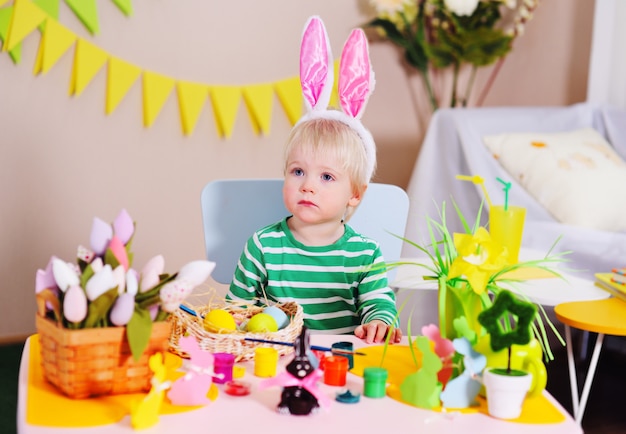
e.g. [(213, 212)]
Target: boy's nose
[(307, 187)]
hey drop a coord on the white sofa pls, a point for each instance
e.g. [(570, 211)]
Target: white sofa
[(454, 145)]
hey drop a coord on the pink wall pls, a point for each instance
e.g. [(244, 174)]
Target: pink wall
[(64, 162)]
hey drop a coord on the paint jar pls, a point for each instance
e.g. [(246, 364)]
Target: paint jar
[(344, 346), (375, 382), (223, 364), (335, 370), (265, 362)]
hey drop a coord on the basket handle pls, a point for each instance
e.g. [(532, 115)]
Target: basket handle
[(45, 298)]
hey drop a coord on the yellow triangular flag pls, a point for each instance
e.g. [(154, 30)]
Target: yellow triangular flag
[(87, 13), (25, 18), (225, 101), (334, 95), (55, 41), (88, 60), (191, 100), (289, 94), (156, 89), (259, 98), (120, 78)]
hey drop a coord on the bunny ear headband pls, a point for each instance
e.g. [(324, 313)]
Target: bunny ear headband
[(355, 84)]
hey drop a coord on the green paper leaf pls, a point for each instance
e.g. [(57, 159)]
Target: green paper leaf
[(138, 331), (5, 19), (99, 309), (109, 258)]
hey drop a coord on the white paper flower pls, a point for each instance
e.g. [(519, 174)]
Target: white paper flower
[(150, 273), (100, 283), (196, 272), (132, 282), (462, 7), (65, 274)]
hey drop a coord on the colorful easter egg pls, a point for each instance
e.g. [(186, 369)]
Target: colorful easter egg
[(219, 321), (262, 322)]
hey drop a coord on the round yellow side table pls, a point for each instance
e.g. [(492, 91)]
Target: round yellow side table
[(604, 317)]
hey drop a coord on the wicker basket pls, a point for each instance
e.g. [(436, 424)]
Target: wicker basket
[(96, 361), (235, 343)]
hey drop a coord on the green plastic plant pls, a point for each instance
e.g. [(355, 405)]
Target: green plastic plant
[(470, 270), (508, 322)]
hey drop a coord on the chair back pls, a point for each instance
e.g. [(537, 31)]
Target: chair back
[(233, 209)]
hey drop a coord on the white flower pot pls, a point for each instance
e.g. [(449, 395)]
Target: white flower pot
[(506, 393)]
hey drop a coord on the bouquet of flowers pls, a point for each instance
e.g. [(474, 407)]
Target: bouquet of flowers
[(439, 34), (470, 270), (103, 290)]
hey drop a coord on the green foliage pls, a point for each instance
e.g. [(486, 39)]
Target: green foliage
[(138, 331)]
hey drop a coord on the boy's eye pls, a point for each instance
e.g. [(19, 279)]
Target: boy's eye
[(327, 177), (298, 172)]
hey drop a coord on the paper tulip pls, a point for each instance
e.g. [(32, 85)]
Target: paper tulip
[(123, 226), (75, 304), (196, 272), (65, 274), (150, 273), (122, 309), (101, 234), (100, 283)]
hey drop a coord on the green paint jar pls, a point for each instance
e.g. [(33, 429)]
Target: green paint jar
[(375, 382)]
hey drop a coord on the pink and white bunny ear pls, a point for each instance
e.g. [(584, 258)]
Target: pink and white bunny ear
[(316, 70), (356, 78)]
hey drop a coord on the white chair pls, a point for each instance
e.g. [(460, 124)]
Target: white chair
[(233, 209)]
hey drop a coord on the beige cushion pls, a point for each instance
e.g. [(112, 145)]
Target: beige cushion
[(575, 175)]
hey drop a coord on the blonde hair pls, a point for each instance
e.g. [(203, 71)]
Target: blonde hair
[(335, 138)]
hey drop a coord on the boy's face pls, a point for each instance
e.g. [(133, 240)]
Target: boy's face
[(317, 189)]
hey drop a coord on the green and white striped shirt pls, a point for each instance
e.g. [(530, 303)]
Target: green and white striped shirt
[(335, 285)]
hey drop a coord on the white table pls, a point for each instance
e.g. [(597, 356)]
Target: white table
[(256, 412), (547, 292)]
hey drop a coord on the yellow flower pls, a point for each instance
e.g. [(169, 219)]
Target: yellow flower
[(479, 258)]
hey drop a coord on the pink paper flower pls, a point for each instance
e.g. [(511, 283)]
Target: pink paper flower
[(75, 304), (174, 293), (150, 273)]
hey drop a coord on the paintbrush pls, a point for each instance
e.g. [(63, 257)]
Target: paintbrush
[(313, 347)]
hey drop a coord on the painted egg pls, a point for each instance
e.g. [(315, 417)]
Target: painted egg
[(262, 322), (219, 321), (279, 316)]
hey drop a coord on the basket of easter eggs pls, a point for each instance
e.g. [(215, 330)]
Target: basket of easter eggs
[(229, 327)]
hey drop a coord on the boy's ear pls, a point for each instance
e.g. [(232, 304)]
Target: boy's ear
[(357, 196)]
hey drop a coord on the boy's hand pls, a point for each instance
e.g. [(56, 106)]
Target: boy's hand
[(376, 332)]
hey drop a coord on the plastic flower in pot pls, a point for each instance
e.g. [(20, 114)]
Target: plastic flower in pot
[(102, 289), (507, 322), (470, 268)]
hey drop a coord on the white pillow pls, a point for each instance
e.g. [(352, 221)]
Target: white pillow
[(575, 175)]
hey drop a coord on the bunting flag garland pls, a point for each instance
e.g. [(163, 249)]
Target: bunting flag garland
[(56, 40), (289, 92), (24, 16), (259, 98), (125, 6), (5, 20), (225, 101), (156, 89), (88, 60), (191, 99), (121, 76), (87, 13)]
